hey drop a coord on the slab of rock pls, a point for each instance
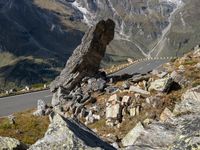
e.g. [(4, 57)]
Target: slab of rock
[(161, 85), (138, 90), (132, 136), (68, 134), (179, 134), (7, 143), (86, 58), (190, 102)]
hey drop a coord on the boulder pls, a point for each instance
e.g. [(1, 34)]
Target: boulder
[(161, 85), (69, 134), (179, 134), (190, 102), (7, 143), (132, 136), (86, 58)]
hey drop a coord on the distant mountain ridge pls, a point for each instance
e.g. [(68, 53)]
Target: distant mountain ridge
[(48, 31)]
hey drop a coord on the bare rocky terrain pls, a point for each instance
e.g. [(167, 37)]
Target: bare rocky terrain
[(40, 35)]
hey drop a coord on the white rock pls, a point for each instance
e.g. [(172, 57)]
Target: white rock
[(132, 136), (113, 111), (132, 112), (126, 100)]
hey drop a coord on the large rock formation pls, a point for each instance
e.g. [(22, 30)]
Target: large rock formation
[(69, 134), (85, 60)]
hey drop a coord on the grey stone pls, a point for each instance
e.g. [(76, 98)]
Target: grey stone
[(96, 84), (179, 134), (190, 102), (161, 85), (59, 96), (69, 134), (111, 89)]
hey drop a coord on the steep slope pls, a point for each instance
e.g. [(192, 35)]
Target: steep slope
[(28, 29)]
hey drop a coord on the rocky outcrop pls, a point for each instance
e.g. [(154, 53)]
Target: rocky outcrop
[(190, 102), (162, 85), (132, 136), (69, 134), (179, 134), (85, 60), (171, 132), (7, 143)]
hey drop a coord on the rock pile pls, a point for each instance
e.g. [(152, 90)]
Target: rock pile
[(81, 76)]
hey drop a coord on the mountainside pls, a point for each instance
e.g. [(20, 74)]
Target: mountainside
[(48, 31), (147, 28), (35, 41)]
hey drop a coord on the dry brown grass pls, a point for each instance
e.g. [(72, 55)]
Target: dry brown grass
[(27, 128)]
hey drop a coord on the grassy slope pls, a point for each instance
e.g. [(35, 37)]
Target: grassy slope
[(27, 129)]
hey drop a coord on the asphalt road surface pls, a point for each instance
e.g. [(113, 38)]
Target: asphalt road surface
[(141, 67), (10, 105)]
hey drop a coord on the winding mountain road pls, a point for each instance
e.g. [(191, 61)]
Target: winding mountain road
[(12, 104)]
